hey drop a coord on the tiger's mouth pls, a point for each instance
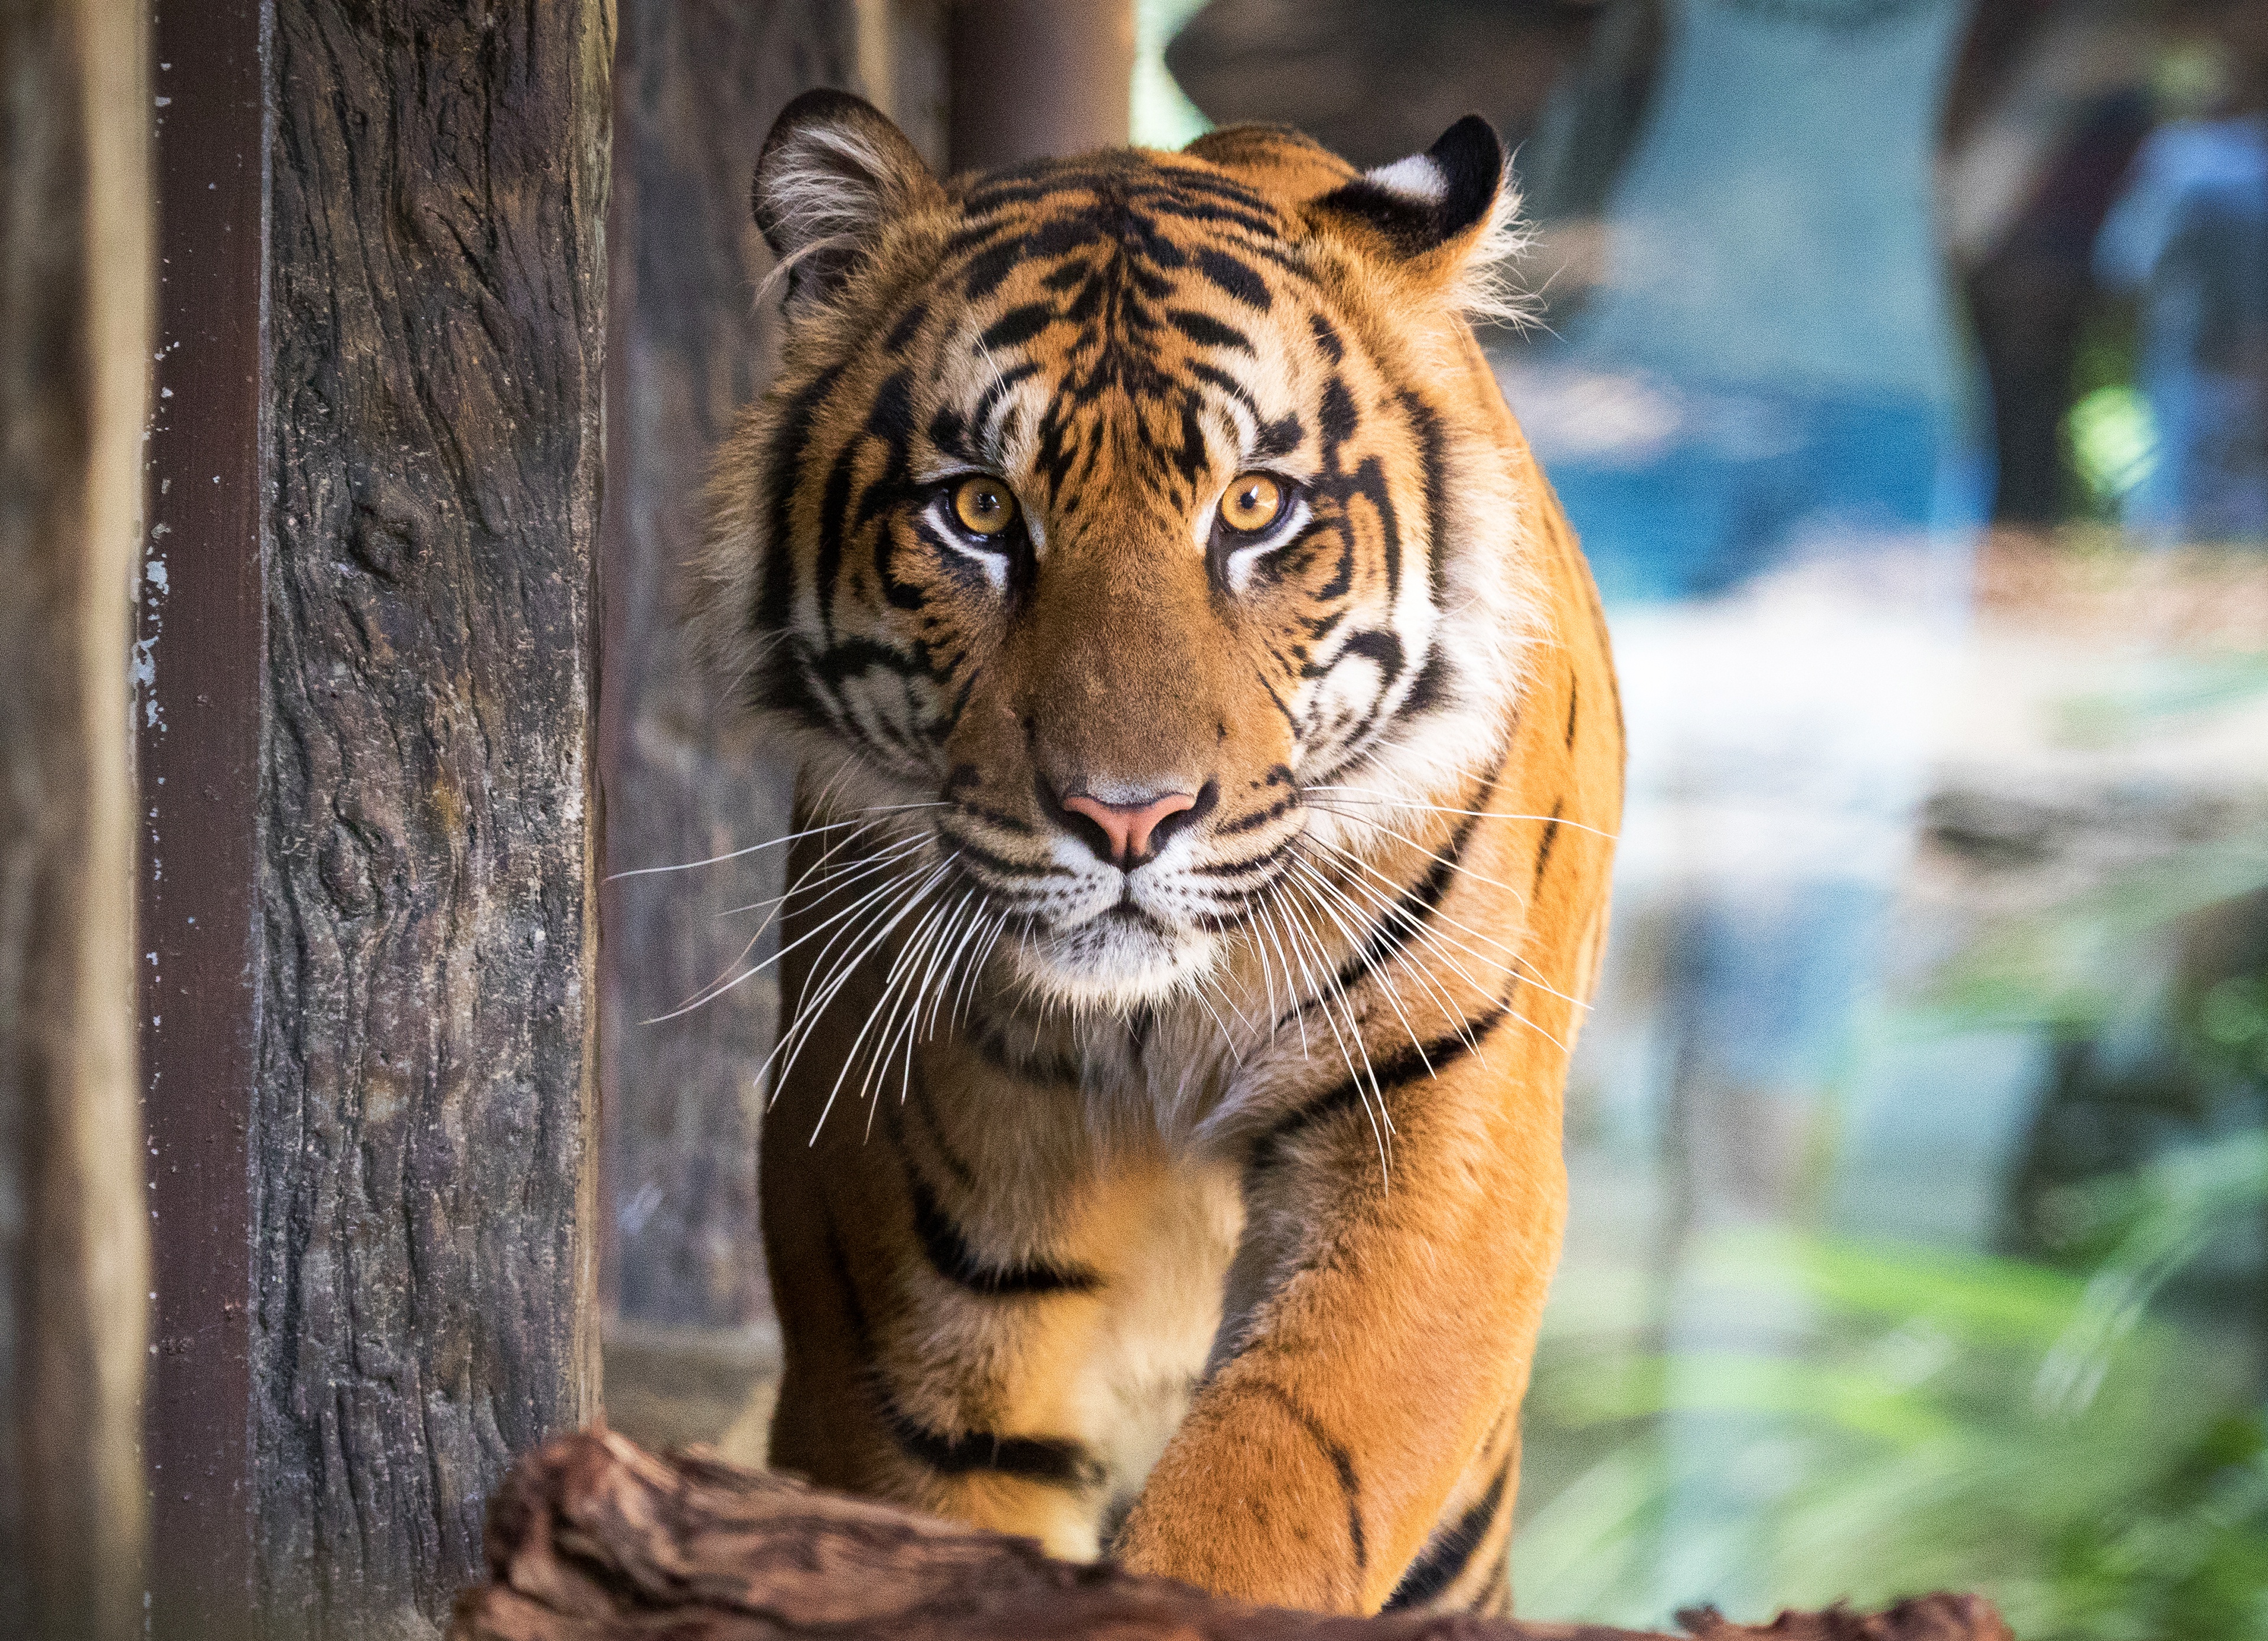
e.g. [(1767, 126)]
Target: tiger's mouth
[(1083, 931), (1120, 959)]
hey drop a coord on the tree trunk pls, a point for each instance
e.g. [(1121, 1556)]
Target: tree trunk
[(75, 294), (367, 731), (594, 1540)]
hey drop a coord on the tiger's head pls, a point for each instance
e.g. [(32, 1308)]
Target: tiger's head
[(1104, 510)]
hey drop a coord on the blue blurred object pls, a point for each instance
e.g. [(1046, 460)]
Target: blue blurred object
[(1760, 469), (2190, 236), (1774, 267)]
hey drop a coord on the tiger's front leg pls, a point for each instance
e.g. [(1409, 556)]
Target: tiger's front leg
[(1370, 1395)]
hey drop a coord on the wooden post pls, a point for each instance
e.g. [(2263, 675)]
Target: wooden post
[(75, 296), (1033, 77), (366, 721)]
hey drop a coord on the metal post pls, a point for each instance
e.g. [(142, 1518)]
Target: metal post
[(198, 665)]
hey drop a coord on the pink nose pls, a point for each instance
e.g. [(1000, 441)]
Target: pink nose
[(1128, 825)]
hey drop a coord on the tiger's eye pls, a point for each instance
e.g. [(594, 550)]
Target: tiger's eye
[(1251, 503), (984, 505)]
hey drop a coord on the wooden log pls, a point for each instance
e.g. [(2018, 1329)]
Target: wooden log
[(593, 1539), (75, 296)]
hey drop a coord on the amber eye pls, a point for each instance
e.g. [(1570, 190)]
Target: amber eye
[(1253, 503), (985, 505)]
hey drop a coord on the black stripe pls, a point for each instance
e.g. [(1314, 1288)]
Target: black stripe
[(1051, 1460), (839, 1263), (1544, 849), (901, 333), (1252, 822), (999, 865), (1431, 454), (990, 1039), (917, 1102), (791, 441), (1236, 390), (1574, 694), (1430, 687), (1342, 1461), (1451, 1550), (1018, 326), (1206, 331), (1414, 909), (952, 1258), (1235, 277), (1406, 1065)]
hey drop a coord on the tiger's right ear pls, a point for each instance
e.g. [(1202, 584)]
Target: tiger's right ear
[(833, 171)]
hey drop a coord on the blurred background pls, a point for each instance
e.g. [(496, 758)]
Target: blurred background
[(1904, 365)]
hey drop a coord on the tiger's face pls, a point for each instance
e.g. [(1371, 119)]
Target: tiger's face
[(1093, 519)]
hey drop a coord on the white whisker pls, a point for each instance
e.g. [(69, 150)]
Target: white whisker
[(1440, 809), (753, 849)]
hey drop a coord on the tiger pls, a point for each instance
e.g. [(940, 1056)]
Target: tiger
[(1208, 758)]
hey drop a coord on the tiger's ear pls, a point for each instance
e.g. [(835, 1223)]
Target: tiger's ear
[(832, 171), (1447, 215)]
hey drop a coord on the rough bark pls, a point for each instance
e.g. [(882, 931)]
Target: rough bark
[(75, 295), (697, 84), (421, 1267), (594, 1540)]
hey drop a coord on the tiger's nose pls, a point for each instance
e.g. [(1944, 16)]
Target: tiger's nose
[(1129, 829)]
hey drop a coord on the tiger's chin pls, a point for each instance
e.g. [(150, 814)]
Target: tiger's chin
[(1112, 962)]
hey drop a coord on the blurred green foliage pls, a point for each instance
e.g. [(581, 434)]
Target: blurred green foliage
[(1933, 1420), (2083, 1435)]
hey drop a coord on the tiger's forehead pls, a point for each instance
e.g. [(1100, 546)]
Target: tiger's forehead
[(1163, 213), (1121, 317)]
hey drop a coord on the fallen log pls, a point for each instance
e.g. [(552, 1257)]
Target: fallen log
[(592, 1538)]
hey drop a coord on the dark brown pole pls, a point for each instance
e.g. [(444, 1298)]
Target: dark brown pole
[(197, 662), (1036, 78), (74, 1249)]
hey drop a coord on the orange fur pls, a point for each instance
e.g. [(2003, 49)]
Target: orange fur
[(1201, 1211)]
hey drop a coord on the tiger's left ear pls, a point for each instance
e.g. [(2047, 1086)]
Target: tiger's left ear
[(1447, 215), (834, 174)]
